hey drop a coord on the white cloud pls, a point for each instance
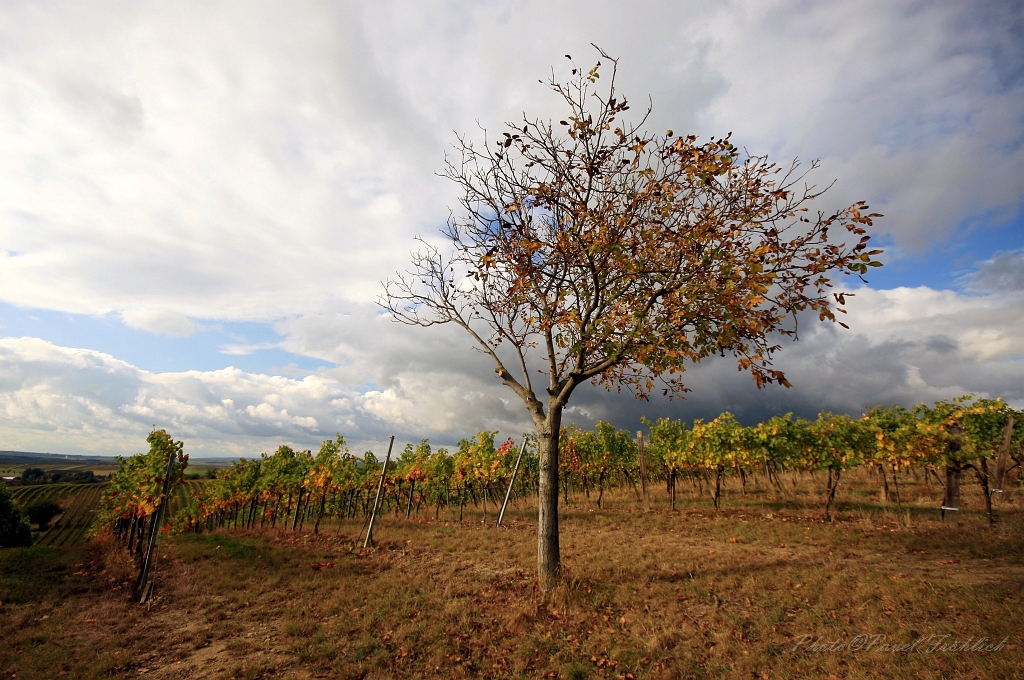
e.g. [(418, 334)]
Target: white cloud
[(180, 163), (224, 164), (237, 349), (984, 328), (81, 400), (918, 108), (74, 400), (164, 322), (906, 345), (202, 163)]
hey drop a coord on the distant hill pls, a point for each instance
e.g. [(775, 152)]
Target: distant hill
[(15, 461), (28, 458)]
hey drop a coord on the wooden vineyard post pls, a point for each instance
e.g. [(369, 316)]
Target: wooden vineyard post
[(154, 528), (896, 486), (643, 470), (951, 501), (508, 491), (376, 501), (1001, 461)]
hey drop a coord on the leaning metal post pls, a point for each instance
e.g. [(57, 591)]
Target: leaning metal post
[(140, 583), (508, 492), (376, 501)]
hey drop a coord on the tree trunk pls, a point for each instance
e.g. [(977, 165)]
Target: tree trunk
[(408, 509), (951, 500), (885, 483), (549, 559), (718, 487), (982, 475), (298, 508), (1001, 456), (833, 484), (643, 470), (632, 484), (131, 533), (320, 516), (141, 528), (896, 486)]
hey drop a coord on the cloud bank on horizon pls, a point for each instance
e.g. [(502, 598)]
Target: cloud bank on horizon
[(176, 167)]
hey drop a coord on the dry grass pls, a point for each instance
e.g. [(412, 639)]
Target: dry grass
[(691, 594)]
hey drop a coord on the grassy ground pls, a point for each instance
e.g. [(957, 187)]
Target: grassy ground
[(691, 594)]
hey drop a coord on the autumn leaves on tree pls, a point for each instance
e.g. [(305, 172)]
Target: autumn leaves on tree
[(589, 249)]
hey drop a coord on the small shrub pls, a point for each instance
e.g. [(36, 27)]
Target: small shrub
[(14, 530), (43, 512)]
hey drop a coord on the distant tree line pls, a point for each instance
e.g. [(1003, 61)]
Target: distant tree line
[(35, 475)]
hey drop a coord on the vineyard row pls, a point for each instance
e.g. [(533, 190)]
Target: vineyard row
[(290, 488)]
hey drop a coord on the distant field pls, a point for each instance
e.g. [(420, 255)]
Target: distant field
[(79, 502), (181, 493), (13, 463)]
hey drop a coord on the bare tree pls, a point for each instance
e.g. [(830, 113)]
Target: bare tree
[(620, 256)]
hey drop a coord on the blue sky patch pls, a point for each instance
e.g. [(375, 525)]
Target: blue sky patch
[(204, 350)]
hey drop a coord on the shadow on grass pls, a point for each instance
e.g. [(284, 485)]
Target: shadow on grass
[(219, 545), (43, 573)]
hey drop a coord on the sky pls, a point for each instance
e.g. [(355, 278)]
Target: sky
[(199, 201)]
